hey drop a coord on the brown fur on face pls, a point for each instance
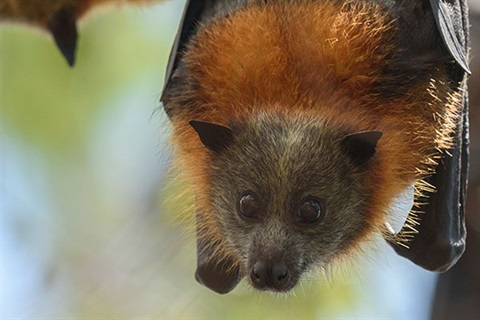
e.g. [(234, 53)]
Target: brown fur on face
[(264, 159), (306, 62)]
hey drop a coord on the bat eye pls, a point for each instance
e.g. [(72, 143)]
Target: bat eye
[(311, 210), (249, 205)]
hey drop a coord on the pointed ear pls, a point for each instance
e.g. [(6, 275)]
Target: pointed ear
[(63, 27), (214, 136), (221, 276), (360, 146)]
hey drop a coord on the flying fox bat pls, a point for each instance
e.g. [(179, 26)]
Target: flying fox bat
[(298, 122)]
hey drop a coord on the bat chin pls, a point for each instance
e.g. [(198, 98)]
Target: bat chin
[(277, 289)]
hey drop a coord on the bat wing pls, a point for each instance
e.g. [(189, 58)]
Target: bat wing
[(191, 16), (219, 274), (451, 20), (440, 237), (63, 27)]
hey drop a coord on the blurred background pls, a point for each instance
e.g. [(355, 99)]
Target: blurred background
[(89, 219)]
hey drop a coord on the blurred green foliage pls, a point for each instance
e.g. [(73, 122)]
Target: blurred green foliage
[(50, 104)]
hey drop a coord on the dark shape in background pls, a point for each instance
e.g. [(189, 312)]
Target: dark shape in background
[(458, 290), (64, 30)]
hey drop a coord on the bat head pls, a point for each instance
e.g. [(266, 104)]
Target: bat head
[(287, 194)]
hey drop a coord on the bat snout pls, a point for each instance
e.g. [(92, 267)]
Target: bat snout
[(272, 275)]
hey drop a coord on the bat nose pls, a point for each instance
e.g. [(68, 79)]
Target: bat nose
[(270, 275)]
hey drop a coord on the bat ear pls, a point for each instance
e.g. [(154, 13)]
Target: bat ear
[(63, 27), (214, 136), (221, 276), (360, 146)]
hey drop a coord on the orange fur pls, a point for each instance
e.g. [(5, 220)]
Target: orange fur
[(315, 60)]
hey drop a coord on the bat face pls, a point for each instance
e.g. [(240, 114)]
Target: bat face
[(287, 196)]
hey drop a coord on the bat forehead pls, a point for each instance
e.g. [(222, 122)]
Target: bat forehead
[(275, 142), (283, 159)]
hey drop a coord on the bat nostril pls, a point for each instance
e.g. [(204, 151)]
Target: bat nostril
[(256, 274), (259, 274), (280, 274)]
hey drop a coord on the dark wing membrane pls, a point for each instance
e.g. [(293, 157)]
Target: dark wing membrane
[(63, 26), (448, 17), (191, 15), (440, 241), (220, 274)]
